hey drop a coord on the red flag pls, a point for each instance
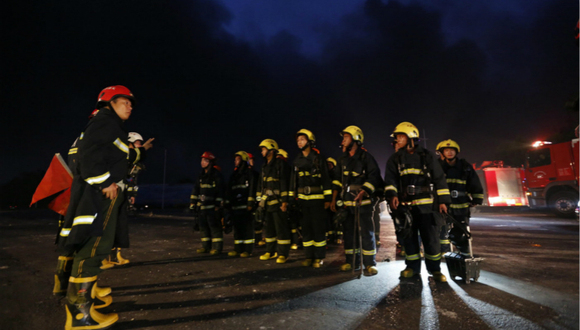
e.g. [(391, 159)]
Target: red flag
[(60, 203), (57, 178)]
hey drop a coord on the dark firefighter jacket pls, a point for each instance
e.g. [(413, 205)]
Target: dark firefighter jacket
[(99, 158), (241, 189), (464, 186), (409, 176), (351, 174), (310, 180), (209, 191), (273, 184)]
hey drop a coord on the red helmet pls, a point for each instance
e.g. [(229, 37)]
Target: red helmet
[(208, 155), (112, 92), (250, 156)]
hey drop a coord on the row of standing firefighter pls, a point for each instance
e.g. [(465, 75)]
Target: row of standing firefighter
[(416, 186)]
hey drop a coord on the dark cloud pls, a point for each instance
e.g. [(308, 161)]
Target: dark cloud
[(201, 88)]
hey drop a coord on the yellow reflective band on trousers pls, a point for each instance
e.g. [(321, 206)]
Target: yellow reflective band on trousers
[(271, 179), (477, 196), (207, 185), (459, 206), (205, 239), (444, 241), (82, 279), (283, 241), (309, 243), (270, 240), (249, 241), (206, 207), (433, 257), (369, 252), (217, 239), (351, 251), (65, 232), (422, 201), (310, 197), (320, 244), (84, 220), (353, 203), (413, 257), (239, 241), (442, 192), (258, 231), (291, 193), (457, 181)]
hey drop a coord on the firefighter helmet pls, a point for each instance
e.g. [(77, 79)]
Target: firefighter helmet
[(112, 92), (283, 153), (250, 156), (355, 132), (243, 154), (208, 155), (407, 128), (134, 136), (331, 160), (269, 144), (309, 134), (448, 144)]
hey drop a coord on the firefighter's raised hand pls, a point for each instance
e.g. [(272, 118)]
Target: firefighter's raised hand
[(394, 203), (442, 208), (149, 144), (111, 191), (284, 207)]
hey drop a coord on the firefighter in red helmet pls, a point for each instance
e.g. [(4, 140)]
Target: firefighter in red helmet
[(94, 220), (207, 201)]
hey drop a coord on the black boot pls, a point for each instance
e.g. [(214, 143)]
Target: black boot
[(62, 274), (80, 306)]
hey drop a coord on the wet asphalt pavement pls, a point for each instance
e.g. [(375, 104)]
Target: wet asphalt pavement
[(529, 280)]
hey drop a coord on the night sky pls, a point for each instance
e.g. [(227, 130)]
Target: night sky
[(224, 75)]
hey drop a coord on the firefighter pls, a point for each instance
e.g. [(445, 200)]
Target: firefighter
[(95, 220), (465, 190), (206, 200), (293, 216), (310, 185), (355, 178), (410, 174), (282, 154), (272, 194), (240, 200), (334, 233), (135, 166), (258, 223)]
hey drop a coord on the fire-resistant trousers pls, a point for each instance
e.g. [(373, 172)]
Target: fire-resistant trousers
[(313, 224), (457, 236), (424, 225), (87, 260), (210, 225), (277, 230), (243, 232), (351, 237)]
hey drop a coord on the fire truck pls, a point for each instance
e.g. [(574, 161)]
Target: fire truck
[(502, 186), (552, 176)]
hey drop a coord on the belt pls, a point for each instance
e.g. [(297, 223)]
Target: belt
[(456, 193), (413, 190), (354, 187), (307, 190)]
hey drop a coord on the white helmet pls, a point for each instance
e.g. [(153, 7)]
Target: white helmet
[(134, 136)]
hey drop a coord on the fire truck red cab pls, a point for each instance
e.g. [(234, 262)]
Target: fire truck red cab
[(552, 176)]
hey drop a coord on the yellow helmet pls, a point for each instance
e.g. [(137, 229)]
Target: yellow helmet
[(355, 132), (448, 144), (269, 144), (331, 160), (309, 134), (243, 154), (283, 153), (407, 128)]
